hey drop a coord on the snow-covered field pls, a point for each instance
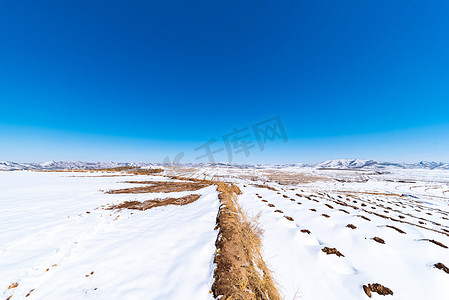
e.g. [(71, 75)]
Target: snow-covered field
[(54, 232), (49, 243)]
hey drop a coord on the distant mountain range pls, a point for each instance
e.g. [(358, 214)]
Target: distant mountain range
[(341, 164), (374, 164)]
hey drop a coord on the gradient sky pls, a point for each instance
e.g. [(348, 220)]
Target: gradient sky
[(142, 80)]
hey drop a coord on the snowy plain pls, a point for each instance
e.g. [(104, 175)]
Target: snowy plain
[(52, 237), (54, 233)]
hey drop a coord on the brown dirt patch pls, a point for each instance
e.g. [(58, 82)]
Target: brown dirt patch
[(395, 228), (12, 286), (441, 266), (155, 203), (435, 242), (265, 187), (352, 226), (305, 231), (379, 240), (279, 211), (289, 218), (240, 271), (376, 288), (29, 293), (160, 187), (363, 217), (271, 205), (326, 215), (328, 251)]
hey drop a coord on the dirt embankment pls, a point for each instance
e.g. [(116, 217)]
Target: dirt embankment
[(240, 270), (155, 203), (160, 187)]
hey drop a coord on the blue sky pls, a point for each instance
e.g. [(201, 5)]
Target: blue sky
[(142, 80)]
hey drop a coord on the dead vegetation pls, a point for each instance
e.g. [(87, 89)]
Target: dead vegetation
[(240, 270), (376, 288), (12, 286), (265, 187), (435, 242), (328, 251), (395, 228), (363, 217), (441, 266), (379, 240), (160, 187), (286, 178), (155, 203)]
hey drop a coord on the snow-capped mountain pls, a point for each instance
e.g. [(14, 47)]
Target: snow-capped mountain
[(343, 164), (61, 165), (374, 164)]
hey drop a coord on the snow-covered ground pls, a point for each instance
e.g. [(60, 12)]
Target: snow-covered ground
[(49, 242), (167, 252)]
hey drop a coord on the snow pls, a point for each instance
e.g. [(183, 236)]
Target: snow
[(167, 252), (162, 253), (404, 263)]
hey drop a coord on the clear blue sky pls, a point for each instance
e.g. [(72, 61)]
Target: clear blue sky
[(140, 80)]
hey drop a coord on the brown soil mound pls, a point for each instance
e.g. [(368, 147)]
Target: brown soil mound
[(265, 187), (326, 215), (279, 211), (240, 271), (395, 228), (377, 288), (271, 205), (305, 231), (332, 251), (379, 240), (330, 206), (160, 187), (14, 285), (351, 226), (435, 242), (289, 218), (155, 203), (363, 217), (441, 266)]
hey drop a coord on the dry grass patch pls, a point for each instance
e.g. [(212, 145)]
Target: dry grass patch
[(328, 251), (377, 288), (435, 242), (379, 240), (160, 187), (395, 228), (155, 203), (240, 270), (12, 286), (441, 266)]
